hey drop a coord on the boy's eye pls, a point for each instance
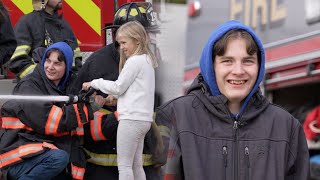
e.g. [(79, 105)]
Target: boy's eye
[(226, 61), (249, 61)]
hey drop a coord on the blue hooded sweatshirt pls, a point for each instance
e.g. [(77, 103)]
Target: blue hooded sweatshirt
[(206, 64), (68, 54)]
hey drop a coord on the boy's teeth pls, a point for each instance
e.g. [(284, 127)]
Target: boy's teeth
[(236, 82)]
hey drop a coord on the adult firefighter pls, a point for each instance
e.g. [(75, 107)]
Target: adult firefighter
[(7, 40), (37, 139), (100, 143), (41, 28)]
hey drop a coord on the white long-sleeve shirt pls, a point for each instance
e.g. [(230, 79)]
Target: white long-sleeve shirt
[(135, 89)]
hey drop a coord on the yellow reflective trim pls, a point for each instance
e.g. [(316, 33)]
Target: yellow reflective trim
[(146, 159), (111, 159), (19, 54), (23, 47), (104, 111), (27, 71), (76, 50), (133, 12), (77, 53), (21, 50), (142, 10), (164, 131), (90, 14)]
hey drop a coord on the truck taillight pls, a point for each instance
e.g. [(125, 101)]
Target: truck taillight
[(194, 8)]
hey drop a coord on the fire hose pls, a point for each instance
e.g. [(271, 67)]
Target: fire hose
[(82, 97)]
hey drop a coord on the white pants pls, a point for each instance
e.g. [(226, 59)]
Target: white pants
[(130, 140)]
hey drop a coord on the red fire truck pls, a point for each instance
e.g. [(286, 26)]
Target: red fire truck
[(87, 18)]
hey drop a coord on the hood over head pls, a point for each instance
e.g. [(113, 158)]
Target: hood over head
[(206, 62), (68, 54)]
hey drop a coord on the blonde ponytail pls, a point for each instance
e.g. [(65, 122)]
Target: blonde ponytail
[(135, 31)]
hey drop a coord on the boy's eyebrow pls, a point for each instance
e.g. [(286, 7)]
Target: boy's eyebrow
[(225, 57), (250, 57), (49, 59), (53, 60), (231, 57)]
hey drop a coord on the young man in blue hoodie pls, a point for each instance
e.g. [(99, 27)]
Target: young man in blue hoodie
[(224, 128), (38, 139)]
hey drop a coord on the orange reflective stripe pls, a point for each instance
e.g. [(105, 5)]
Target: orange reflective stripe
[(53, 120), (95, 127), (85, 109), (29, 149), (75, 106), (79, 131), (16, 155), (61, 134), (77, 172), (13, 123)]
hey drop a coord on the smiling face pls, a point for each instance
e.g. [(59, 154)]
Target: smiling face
[(54, 68), (127, 45), (236, 71)]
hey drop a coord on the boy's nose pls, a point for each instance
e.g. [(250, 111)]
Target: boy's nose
[(238, 68)]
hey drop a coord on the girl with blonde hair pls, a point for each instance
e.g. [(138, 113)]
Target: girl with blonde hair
[(134, 88)]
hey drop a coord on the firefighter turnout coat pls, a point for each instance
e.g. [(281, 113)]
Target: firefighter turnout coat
[(27, 125), (7, 39), (39, 29)]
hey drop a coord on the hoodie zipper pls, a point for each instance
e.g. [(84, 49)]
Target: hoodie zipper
[(235, 149), (225, 160), (247, 159)]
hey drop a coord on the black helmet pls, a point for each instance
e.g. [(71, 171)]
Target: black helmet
[(136, 11)]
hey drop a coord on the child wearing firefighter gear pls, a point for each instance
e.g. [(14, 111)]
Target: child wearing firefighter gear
[(38, 139), (104, 63), (7, 39), (41, 28), (224, 128), (135, 91)]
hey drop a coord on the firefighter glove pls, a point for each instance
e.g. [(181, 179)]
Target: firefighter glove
[(82, 113)]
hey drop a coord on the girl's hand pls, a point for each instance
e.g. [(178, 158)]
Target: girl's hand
[(111, 101), (86, 86)]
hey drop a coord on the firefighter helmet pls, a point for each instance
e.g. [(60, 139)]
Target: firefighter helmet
[(136, 11), (39, 4)]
